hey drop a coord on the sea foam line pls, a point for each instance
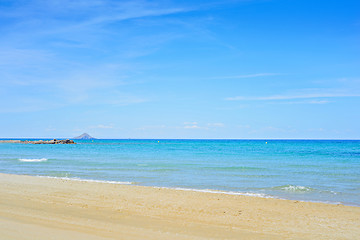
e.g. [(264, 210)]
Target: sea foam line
[(87, 180), (223, 192), (173, 188), (261, 195), (32, 159)]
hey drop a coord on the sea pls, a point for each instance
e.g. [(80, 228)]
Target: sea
[(306, 170)]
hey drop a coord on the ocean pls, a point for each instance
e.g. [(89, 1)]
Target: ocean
[(307, 170)]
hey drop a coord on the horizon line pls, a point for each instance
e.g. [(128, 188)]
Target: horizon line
[(268, 139)]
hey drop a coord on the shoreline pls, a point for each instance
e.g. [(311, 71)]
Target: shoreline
[(66, 209), (212, 191)]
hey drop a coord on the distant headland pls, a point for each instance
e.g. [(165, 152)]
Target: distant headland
[(84, 136)]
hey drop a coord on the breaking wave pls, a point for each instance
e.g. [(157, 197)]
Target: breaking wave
[(294, 188), (32, 159)]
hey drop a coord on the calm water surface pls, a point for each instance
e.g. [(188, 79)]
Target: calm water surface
[(311, 170)]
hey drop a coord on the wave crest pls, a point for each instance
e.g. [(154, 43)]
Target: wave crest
[(32, 159), (294, 188)]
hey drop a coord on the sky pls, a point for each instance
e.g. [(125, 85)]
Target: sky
[(246, 69)]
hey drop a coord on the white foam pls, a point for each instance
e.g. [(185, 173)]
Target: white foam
[(198, 190), (222, 192), (293, 188), (88, 180), (32, 159), (175, 188)]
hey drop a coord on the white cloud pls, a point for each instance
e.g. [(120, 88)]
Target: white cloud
[(192, 127)]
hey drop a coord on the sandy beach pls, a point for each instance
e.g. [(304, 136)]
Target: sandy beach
[(49, 208)]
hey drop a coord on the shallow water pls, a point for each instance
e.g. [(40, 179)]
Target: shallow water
[(311, 170)]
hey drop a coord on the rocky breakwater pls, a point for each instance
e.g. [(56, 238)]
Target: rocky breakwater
[(10, 141), (54, 141)]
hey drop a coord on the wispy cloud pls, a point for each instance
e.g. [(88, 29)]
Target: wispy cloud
[(186, 125), (190, 123), (333, 94), (102, 126), (133, 14), (26, 104), (50, 129), (255, 75), (246, 126), (316, 130), (216, 125), (192, 127), (11, 56), (208, 126), (151, 127), (272, 129), (92, 16), (302, 102), (78, 51)]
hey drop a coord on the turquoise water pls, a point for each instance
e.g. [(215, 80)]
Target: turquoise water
[(310, 170)]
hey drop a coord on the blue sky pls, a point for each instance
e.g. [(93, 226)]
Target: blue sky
[(180, 69)]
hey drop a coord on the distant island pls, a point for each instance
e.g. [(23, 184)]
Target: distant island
[(84, 136)]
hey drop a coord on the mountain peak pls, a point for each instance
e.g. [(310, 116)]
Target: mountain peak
[(84, 136)]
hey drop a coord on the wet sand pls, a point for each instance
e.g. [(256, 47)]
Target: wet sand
[(49, 208)]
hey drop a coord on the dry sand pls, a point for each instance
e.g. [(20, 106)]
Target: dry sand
[(45, 208)]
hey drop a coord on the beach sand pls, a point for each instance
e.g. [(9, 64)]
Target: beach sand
[(48, 208)]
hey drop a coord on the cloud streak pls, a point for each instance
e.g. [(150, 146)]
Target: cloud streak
[(102, 126), (255, 75), (294, 96), (134, 15)]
